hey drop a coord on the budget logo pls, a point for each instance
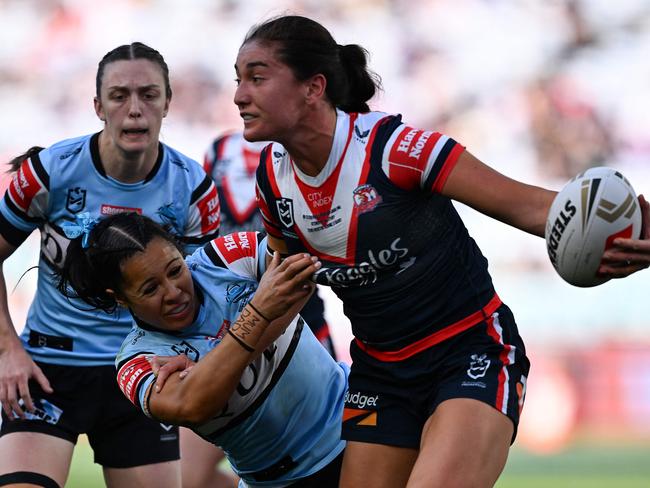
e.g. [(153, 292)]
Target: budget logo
[(285, 211)]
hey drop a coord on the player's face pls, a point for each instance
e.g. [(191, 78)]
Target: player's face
[(271, 100), (157, 286), (132, 104)]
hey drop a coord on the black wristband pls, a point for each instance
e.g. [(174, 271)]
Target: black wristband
[(240, 342), (258, 312)]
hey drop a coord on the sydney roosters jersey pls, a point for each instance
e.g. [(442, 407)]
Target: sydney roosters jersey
[(68, 178), (232, 162), (393, 247), (289, 401)]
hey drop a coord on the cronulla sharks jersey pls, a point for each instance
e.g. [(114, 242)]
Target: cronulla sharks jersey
[(286, 411), (393, 248), (66, 179)]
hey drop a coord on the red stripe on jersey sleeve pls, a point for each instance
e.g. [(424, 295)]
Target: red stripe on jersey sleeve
[(24, 186), (210, 211), (131, 374), (448, 165), (233, 247)]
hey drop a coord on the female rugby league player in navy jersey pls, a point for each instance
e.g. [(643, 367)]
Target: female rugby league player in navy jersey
[(438, 363)]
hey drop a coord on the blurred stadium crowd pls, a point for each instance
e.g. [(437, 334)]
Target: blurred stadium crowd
[(539, 90)]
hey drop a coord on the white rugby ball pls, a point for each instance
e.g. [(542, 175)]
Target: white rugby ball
[(592, 210)]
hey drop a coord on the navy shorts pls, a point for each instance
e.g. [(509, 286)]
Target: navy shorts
[(389, 402), (87, 400)]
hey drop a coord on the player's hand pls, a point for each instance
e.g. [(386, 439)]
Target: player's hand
[(16, 369), (628, 256), (285, 283), (164, 366)]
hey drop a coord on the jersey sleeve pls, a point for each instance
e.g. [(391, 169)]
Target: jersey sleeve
[(25, 203), (134, 377), (204, 214), (243, 253), (419, 159), (266, 193)]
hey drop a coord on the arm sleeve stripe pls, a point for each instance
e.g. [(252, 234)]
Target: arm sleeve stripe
[(201, 189), (13, 236), (199, 240), (40, 171), (212, 255), (449, 164)]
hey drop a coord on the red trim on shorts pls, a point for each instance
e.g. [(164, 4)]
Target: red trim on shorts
[(503, 390), (435, 338)]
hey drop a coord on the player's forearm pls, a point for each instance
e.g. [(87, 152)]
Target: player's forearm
[(206, 390)]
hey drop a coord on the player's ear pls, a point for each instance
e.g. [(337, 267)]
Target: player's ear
[(117, 297), (99, 109)]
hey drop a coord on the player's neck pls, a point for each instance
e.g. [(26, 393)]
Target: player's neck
[(126, 167), (311, 143)]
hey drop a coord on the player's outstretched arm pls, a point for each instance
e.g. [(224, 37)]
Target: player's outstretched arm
[(488, 191)]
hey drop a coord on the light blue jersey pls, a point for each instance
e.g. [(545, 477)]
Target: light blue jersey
[(52, 187), (287, 409)]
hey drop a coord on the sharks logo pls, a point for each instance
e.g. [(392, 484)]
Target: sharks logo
[(166, 215), (239, 293)]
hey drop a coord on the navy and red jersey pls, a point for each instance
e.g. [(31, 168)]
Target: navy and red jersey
[(393, 248)]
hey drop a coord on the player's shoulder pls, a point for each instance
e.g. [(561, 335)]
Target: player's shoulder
[(64, 151), (239, 252), (181, 163)]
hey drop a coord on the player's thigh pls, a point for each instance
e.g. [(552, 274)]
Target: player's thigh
[(465, 443), (376, 465), (157, 475), (199, 459), (37, 453)]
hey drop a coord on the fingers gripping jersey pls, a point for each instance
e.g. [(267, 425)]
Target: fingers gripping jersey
[(288, 402), (232, 162), (66, 179), (393, 248)]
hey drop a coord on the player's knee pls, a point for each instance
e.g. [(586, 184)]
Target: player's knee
[(27, 478)]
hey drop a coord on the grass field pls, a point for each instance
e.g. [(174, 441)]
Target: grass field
[(581, 466)]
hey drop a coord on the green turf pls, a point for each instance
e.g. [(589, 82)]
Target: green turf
[(581, 466)]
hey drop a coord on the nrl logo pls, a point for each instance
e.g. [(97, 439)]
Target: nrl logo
[(76, 200), (285, 211)]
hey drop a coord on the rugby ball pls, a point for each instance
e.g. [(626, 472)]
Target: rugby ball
[(592, 210)]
